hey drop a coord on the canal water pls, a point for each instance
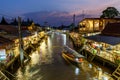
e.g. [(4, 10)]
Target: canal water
[(47, 63)]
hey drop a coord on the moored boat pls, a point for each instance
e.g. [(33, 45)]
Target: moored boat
[(71, 55)]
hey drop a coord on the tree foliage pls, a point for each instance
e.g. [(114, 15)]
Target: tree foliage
[(3, 21), (110, 12)]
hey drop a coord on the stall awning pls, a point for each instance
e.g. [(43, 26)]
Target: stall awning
[(105, 39)]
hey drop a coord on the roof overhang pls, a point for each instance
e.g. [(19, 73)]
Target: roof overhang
[(105, 39)]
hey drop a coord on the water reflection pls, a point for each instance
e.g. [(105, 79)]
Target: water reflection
[(47, 64), (64, 39), (49, 45), (46, 52), (77, 70)]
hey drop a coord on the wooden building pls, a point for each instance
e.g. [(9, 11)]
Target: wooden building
[(107, 43), (95, 24)]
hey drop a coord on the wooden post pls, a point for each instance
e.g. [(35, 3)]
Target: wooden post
[(20, 42)]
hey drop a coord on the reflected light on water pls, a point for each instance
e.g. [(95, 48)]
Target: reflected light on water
[(19, 75), (27, 73), (77, 71), (43, 47), (46, 51), (23, 75), (52, 36), (49, 45), (64, 39), (90, 65), (35, 57)]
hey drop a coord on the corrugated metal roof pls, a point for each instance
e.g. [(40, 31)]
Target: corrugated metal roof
[(105, 39)]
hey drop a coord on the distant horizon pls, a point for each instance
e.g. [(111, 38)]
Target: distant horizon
[(69, 19)]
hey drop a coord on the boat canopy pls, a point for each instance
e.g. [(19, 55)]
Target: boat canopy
[(71, 51)]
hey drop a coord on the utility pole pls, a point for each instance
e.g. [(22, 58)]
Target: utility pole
[(83, 14), (74, 20), (20, 42)]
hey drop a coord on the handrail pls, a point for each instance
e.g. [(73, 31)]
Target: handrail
[(4, 75)]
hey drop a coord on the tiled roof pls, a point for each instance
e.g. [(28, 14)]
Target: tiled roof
[(112, 29), (4, 42), (8, 28)]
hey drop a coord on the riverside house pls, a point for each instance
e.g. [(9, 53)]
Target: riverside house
[(95, 24), (9, 41), (6, 50), (106, 44)]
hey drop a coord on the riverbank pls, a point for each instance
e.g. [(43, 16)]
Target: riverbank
[(104, 58), (9, 68), (47, 60)]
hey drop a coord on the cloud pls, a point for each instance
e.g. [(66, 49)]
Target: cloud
[(59, 12), (73, 6), (54, 18), (94, 7)]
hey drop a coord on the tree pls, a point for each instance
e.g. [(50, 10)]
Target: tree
[(110, 12), (3, 21), (15, 22)]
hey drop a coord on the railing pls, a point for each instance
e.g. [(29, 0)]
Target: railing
[(3, 76)]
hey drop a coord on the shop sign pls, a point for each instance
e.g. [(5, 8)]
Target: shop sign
[(2, 54)]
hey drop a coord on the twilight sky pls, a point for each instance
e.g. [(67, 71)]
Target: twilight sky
[(55, 12)]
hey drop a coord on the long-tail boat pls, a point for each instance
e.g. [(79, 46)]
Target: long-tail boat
[(71, 55)]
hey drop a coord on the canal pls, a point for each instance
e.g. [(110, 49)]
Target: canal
[(47, 63)]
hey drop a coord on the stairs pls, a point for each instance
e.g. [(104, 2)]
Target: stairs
[(3, 76), (116, 73)]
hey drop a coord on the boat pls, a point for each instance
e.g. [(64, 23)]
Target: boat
[(71, 55)]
